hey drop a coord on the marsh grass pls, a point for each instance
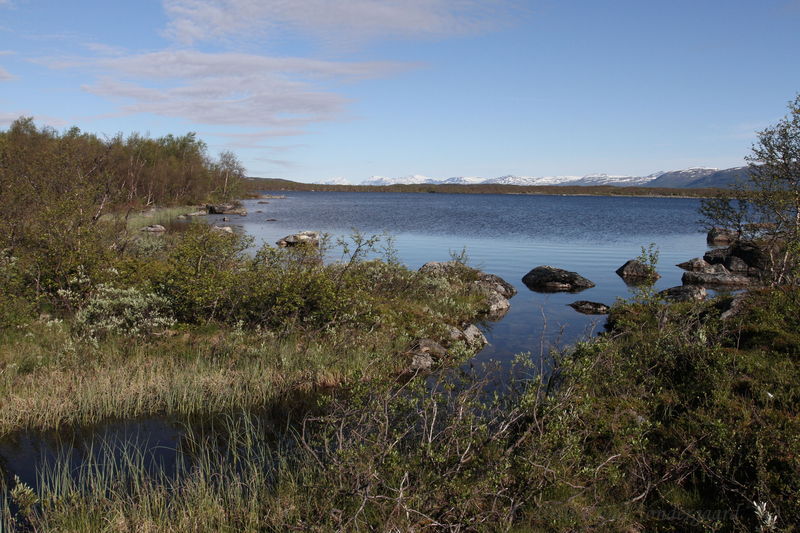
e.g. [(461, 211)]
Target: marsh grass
[(51, 379)]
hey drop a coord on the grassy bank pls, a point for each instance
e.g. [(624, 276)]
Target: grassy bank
[(193, 323), (676, 420)]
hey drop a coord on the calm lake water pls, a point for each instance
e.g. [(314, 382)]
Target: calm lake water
[(507, 235)]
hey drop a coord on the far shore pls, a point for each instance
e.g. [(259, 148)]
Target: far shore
[(272, 184)]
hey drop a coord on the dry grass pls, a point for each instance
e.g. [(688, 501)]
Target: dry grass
[(49, 379)]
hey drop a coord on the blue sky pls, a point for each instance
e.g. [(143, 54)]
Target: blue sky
[(317, 89)]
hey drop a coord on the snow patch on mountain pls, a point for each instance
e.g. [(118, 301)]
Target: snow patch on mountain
[(405, 180), (337, 181)]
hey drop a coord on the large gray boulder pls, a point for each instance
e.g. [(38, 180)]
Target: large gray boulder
[(549, 279), (310, 238), (635, 270)]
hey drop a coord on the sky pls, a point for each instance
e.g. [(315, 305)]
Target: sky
[(312, 90)]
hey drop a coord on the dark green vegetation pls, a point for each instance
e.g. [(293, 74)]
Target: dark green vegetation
[(274, 184)]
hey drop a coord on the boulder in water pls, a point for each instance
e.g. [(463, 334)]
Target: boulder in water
[(549, 279)]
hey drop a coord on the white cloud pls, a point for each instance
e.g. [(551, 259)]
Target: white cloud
[(192, 21), (279, 93)]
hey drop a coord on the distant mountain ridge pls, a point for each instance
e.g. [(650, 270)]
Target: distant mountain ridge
[(695, 177)]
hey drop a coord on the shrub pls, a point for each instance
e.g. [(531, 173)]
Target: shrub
[(123, 311)]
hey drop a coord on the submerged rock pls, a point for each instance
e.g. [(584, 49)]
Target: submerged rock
[(310, 238), (684, 293), (550, 279), (636, 270), (590, 308)]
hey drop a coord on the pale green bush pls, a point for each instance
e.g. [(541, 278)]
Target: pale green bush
[(129, 311)]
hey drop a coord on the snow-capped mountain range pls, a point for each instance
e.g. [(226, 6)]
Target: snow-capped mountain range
[(690, 177), (687, 175)]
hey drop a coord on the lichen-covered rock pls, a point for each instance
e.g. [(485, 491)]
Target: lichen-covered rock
[(497, 284), (547, 278), (474, 336)]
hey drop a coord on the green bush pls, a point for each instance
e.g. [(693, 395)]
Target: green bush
[(126, 312)]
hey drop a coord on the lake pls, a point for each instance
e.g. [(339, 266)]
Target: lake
[(507, 235)]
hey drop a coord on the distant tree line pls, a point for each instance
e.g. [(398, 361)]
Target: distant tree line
[(255, 183)]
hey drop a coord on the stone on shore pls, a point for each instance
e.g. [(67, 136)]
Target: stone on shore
[(697, 264), (225, 209), (715, 279)]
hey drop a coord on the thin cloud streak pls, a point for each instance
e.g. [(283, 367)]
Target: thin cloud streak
[(193, 21)]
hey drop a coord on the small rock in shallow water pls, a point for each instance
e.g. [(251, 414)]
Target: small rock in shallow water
[(589, 308)]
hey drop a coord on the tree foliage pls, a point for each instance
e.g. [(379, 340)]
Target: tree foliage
[(766, 208), (55, 188)]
